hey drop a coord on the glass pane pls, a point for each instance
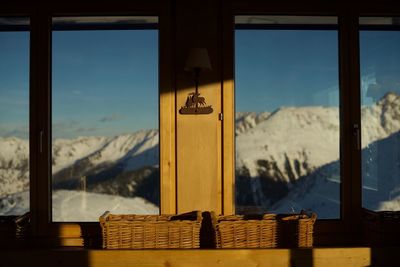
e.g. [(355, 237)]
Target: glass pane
[(287, 122), (104, 123), (380, 119), (14, 121)]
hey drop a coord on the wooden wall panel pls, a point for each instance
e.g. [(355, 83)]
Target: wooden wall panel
[(198, 136)]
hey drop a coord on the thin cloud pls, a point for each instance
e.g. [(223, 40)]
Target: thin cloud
[(377, 90), (19, 132), (71, 129), (65, 125), (85, 130), (113, 117), (76, 92)]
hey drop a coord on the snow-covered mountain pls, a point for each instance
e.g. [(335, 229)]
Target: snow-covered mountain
[(14, 166), (125, 166), (134, 149), (117, 166), (320, 191), (72, 205), (286, 160), (247, 120), (84, 206), (293, 157)]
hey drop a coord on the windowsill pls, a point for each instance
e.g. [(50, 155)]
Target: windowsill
[(321, 256)]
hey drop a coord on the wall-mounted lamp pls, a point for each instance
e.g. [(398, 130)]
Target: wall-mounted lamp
[(196, 62)]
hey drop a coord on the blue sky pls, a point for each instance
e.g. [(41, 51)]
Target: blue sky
[(14, 84), (380, 56), (106, 82), (277, 68)]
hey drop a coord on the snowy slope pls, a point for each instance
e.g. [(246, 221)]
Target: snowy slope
[(129, 147), (100, 150), (382, 119), (137, 150), (292, 158), (82, 156), (79, 205), (289, 135), (308, 135), (247, 120), (15, 204), (320, 192), (67, 151), (83, 206), (292, 149), (14, 165)]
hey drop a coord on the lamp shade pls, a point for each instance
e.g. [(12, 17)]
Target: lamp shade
[(198, 59)]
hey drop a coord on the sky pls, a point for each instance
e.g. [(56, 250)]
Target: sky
[(14, 84), (380, 62), (105, 83), (281, 68), (276, 68)]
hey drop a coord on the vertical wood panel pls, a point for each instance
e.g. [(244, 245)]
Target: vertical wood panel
[(228, 104), (198, 136), (167, 115)]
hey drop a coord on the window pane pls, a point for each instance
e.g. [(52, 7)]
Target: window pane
[(104, 123), (287, 122), (14, 117), (380, 118)]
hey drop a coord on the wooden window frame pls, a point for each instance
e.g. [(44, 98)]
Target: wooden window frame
[(44, 231), (346, 230)]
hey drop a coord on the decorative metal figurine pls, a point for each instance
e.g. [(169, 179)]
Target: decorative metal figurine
[(196, 104)]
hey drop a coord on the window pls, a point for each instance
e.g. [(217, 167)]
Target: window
[(380, 112), (105, 140), (14, 116), (287, 115), (118, 71)]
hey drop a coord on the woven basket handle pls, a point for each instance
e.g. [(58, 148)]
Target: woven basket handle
[(191, 216), (103, 218)]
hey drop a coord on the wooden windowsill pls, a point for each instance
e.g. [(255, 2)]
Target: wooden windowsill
[(74, 256)]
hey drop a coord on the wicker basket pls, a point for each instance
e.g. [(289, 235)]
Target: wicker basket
[(241, 231), (296, 230), (382, 227), (151, 231)]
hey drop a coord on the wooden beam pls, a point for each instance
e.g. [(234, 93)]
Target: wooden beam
[(326, 257)]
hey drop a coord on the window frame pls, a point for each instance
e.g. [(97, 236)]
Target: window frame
[(371, 28), (301, 27), (44, 231), (109, 26), (345, 230), (7, 222)]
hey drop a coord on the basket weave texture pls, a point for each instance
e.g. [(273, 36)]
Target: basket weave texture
[(381, 227), (239, 231), (151, 231), (296, 230)]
